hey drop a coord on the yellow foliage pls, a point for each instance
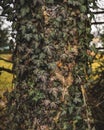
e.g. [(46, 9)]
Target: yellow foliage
[(97, 63), (5, 77), (97, 66)]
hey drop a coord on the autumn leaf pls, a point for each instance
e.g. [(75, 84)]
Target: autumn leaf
[(46, 102), (60, 77), (54, 92), (69, 80), (59, 64), (56, 118), (91, 53)]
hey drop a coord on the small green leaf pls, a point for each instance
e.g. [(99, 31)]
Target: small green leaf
[(50, 1), (24, 11), (52, 66), (35, 2), (48, 50), (23, 29), (83, 8), (22, 2), (31, 92), (28, 37)]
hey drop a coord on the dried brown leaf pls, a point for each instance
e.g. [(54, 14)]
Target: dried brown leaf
[(44, 127), (60, 77), (46, 102), (69, 80), (56, 118), (54, 91), (53, 105)]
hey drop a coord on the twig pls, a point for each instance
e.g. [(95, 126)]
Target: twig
[(97, 12), (85, 104), (97, 23), (99, 103), (6, 60), (7, 70)]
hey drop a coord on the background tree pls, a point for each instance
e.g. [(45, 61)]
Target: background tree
[(3, 36), (5, 31), (4, 45)]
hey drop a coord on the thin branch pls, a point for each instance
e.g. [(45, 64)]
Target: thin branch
[(10, 61), (88, 115), (91, 7), (97, 12), (3, 16), (99, 103), (100, 48), (97, 23), (100, 8), (7, 70)]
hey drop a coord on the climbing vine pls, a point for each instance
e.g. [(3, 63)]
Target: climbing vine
[(51, 63)]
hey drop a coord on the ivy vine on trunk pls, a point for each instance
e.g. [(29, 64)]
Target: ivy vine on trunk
[(51, 65)]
